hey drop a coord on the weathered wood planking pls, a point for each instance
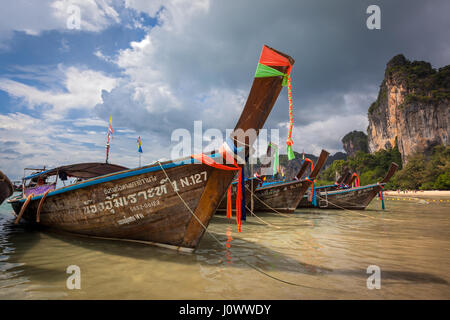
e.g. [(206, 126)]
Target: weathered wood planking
[(152, 211), (357, 198), (6, 187), (285, 197)]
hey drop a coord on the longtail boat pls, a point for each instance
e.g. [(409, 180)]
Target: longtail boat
[(6, 187), (285, 196), (169, 203), (355, 198), (341, 183)]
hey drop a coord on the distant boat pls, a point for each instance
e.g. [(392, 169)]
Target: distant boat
[(356, 198), (281, 196), (344, 181), (17, 185), (6, 187), (168, 204)]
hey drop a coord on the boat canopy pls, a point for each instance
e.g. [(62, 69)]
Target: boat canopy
[(80, 170)]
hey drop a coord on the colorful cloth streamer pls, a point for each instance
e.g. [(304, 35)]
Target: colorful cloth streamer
[(357, 184), (271, 58), (381, 195), (234, 167), (289, 141), (313, 197), (276, 158), (139, 144), (243, 211), (310, 161)]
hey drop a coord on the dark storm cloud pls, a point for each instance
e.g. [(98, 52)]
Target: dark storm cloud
[(339, 61)]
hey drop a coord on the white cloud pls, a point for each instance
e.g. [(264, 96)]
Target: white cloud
[(327, 133), (198, 62), (34, 17), (82, 90), (27, 141)]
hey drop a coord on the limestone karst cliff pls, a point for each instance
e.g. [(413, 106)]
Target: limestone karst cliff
[(355, 141), (412, 108)]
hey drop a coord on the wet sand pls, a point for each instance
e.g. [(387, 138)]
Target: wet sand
[(422, 194)]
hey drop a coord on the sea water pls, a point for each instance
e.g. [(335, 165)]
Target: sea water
[(312, 254)]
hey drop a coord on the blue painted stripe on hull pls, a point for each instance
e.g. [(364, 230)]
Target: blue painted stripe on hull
[(119, 175), (354, 189)]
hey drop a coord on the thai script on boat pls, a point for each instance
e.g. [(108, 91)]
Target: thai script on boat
[(114, 201), (130, 185), (270, 191), (146, 205), (131, 219)]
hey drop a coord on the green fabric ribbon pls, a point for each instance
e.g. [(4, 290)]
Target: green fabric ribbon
[(263, 71), (290, 153), (276, 159)]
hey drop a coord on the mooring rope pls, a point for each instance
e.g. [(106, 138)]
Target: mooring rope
[(254, 195), (346, 201), (224, 246), (265, 222)]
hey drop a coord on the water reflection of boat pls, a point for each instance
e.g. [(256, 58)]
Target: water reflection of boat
[(168, 204), (6, 187), (356, 198)]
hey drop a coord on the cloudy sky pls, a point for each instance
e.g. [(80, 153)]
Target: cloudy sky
[(156, 66)]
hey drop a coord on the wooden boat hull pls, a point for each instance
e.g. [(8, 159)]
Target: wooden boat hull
[(250, 184), (6, 187), (353, 198), (140, 206), (283, 197), (357, 198)]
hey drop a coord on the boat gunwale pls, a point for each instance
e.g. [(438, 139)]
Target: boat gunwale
[(281, 184), (355, 188), (119, 175)]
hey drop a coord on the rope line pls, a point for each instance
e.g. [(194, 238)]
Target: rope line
[(254, 195), (268, 223)]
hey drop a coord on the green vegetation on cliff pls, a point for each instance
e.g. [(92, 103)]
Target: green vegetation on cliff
[(420, 172), (426, 173), (425, 85), (355, 141), (370, 167)]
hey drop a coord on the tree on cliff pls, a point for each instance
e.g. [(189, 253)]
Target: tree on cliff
[(413, 106), (425, 173), (355, 141)]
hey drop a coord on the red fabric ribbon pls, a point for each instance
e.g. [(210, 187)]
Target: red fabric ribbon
[(234, 167), (271, 58), (312, 181), (310, 161), (357, 184)]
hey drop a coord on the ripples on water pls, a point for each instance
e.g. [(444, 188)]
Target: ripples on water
[(325, 252)]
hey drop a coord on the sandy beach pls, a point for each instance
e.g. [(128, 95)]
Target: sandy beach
[(442, 194)]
